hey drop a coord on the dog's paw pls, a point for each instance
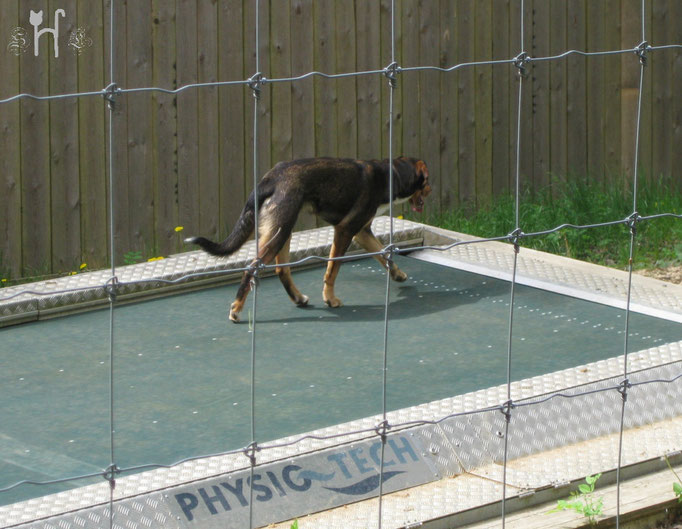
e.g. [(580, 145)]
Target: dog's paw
[(234, 312), (398, 275), (333, 302), (302, 301)]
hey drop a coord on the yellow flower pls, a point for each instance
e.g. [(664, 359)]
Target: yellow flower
[(151, 259), (84, 266), (4, 280), (400, 217), (179, 228), (72, 273)]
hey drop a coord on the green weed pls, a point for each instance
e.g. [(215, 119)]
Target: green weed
[(583, 501), (677, 486), (132, 257)]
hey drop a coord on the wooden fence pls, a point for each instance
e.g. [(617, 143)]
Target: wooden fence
[(186, 159)]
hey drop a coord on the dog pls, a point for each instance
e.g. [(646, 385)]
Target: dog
[(346, 193)]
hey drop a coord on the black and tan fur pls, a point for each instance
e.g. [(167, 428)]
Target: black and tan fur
[(344, 192)]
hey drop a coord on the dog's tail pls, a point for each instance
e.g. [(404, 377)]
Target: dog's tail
[(242, 230)]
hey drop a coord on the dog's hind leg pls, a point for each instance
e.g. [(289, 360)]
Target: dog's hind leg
[(369, 242), (342, 240), (268, 247), (284, 274)]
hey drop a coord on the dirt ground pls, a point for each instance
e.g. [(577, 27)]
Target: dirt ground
[(673, 524), (672, 274)]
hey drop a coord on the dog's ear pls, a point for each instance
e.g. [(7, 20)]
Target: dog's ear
[(422, 172)]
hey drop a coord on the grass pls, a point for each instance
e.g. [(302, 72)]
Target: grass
[(580, 202)]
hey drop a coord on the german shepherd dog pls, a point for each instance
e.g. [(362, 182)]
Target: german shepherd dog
[(346, 193)]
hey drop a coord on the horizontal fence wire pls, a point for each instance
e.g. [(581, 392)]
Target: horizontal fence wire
[(113, 90), (352, 435), (514, 236), (112, 285)]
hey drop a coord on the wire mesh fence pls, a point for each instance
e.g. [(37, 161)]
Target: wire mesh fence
[(616, 391)]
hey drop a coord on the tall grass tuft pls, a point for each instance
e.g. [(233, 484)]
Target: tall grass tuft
[(582, 202)]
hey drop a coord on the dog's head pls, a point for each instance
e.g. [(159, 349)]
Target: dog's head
[(421, 188)]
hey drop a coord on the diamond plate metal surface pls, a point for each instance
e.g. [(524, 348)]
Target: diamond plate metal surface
[(570, 423), (563, 271), (468, 444), (76, 292)]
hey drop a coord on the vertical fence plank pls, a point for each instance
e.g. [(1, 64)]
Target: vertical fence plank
[(447, 179), (558, 164), (119, 152), (302, 92), (139, 130), (264, 107), (409, 81), (541, 95), (64, 186), (302, 107), (232, 111), (675, 35), (10, 161), (629, 81), (92, 136), (501, 97), (483, 100), (612, 91), (325, 89), (265, 161), (526, 139), (280, 66), (368, 87), (429, 54), (576, 119), (188, 118), (466, 91), (347, 95), (398, 147), (250, 70), (595, 90), (207, 100), (647, 122), (661, 66), (384, 29), (164, 121), (35, 161)]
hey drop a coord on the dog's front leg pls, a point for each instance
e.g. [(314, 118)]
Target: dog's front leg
[(369, 242), (341, 242)]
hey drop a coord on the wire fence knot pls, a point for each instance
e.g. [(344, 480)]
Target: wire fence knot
[(111, 288), (506, 409), (254, 271), (642, 50), (623, 389), (110, 475), (514, 237), (382, 429), (250, 452), (520, 61), (256, 82), (391, 72), (388, 252), (632, 221), (109, 93)]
